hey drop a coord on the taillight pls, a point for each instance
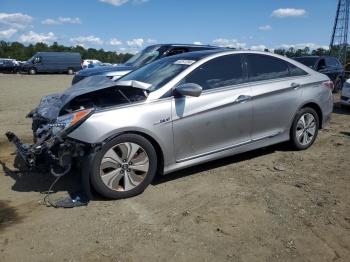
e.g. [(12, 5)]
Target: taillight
[(329, 84)]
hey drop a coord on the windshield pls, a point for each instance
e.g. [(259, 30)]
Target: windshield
[(308, 61), (159, 72), (146, 56), (31, 59)]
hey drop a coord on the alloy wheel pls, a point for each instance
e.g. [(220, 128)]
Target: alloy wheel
[(124, 166), (306, 129)]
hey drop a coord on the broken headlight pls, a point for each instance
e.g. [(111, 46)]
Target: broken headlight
[(69, 122)]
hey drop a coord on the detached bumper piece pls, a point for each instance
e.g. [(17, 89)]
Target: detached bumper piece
[(54, 155)]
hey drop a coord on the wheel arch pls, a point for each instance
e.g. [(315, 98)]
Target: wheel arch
[(318, 110), (153, 141)]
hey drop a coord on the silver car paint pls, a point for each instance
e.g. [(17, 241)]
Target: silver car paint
[(219, 123)]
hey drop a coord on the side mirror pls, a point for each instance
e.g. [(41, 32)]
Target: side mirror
[(189, 89)]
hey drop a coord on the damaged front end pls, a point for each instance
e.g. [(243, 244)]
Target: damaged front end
[(54, 150), (58, 115)]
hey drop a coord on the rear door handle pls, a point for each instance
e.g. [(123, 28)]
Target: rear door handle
[(295, 85), (242, 98)]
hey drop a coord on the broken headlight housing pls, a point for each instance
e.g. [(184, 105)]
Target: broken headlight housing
[(67, 123)]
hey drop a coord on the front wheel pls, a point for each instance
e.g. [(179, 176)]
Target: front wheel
[(304, 129), (32, 71), (124, 167)]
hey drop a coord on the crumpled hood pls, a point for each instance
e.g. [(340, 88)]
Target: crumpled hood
[(103, 69), (51, 105)]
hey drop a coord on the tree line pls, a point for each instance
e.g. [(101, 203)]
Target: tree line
[(18, 51), (21, 52)]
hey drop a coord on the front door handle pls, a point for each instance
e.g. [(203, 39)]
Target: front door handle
[(242, 98), (295, 85)]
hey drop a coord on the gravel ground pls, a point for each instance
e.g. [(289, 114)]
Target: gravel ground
[(272, 204)]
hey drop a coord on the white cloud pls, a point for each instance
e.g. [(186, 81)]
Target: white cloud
[(15, 20), (122, 2), (7, 33), (258, 47), (114, 2), (135, 43), (265, 28), (62, 20), (81, 40), (288, 12), (197, 43), (231, 43), (140, 1), (312, 46), (32, 37), (115, 41), (151, 41)]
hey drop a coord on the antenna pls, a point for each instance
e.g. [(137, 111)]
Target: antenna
[(339, 41)]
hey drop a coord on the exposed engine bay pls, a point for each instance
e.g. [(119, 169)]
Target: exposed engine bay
[(59, 114)]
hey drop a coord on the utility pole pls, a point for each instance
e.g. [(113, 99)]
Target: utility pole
[(339, 41)]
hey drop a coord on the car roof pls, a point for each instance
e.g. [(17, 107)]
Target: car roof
[(189, 45), (197, 55)]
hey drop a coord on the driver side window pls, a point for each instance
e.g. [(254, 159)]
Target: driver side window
[(218, 72)]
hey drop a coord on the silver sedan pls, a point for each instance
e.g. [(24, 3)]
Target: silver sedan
[(185, 110)]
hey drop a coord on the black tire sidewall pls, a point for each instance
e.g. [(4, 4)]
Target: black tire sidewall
[(95, 176), (296, 144), (337, 85)]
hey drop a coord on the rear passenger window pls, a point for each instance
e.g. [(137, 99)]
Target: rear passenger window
[(296, 71), (263, 67), (218, 72)]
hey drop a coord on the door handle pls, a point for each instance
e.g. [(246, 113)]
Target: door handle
[(295, 85), (242, 98)]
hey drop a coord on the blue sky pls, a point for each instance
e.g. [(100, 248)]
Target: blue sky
[(129, 25)]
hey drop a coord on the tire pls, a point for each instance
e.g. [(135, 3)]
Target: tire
[(337, 85), (122, 179), (70, 71), (301, 137), (32, 71)]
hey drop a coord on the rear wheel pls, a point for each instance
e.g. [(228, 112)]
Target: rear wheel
[(124, 167), (70, 71), (338, 85), (304, 129)]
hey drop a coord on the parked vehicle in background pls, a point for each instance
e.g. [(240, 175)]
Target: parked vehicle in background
[(327, 65), (148, 55), (86, 62), (9, 65), (53, 62), (178, 112), (345, 94)]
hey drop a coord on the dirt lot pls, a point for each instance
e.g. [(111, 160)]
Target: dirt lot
[(268, 205)]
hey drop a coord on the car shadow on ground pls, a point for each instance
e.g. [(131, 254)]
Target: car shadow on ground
[(220, 163), (34, 181)]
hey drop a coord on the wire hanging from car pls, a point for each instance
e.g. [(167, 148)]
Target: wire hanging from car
[(47, 200)]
